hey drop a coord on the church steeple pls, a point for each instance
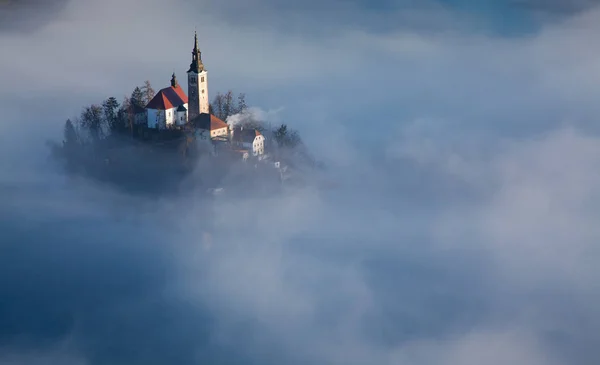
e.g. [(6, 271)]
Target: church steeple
[(196, 64), (197, 84), (174, 80)]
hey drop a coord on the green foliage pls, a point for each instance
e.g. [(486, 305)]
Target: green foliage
[(137, 98), (100, 142), (241, 103), (71, 146), (71, 139), (286, 138), (110, 108), (92, 120)]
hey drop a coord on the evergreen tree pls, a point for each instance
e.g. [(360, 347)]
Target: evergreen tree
[(70, 151), (92, 121), (241, 104), (280, 134), (286, 138), (137, 98), (71, 140), (110, 109)]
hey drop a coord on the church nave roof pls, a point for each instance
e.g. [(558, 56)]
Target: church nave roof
[(168, 98)]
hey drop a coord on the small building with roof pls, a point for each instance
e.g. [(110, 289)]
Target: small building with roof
[(248, 138), (211, 126), (168, 107)]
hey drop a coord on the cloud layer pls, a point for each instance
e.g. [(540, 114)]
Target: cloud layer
[(461, 229)]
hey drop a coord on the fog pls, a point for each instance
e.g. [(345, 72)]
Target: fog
[(461, 228)]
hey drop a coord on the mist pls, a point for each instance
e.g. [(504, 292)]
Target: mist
[(459, 228)]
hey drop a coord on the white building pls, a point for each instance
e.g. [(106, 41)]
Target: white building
[(248, 138), (209, 126), (172, 107), (168, 108), (197, 84)]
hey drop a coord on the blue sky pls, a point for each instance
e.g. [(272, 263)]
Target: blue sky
[(464, 139)]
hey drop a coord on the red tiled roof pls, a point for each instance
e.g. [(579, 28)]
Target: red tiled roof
[(216, 123), (167, 98), (208, 122)]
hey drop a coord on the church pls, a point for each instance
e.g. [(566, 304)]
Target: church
[(172, 108)]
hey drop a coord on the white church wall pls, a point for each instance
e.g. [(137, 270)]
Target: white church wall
[(170, 115), (161, 118), (203, 91), (181, 118)]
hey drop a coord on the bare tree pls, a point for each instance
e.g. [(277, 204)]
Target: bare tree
[(228, 107), (126, 116), (217, 105), (224, 105), (147, 92)]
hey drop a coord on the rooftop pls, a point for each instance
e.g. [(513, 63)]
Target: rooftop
[(168, 98)]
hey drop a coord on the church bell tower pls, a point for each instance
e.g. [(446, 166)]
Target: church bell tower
[(198, 101)]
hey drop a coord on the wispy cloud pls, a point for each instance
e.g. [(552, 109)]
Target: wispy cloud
[(462, 228)]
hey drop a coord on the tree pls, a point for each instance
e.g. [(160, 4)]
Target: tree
[(280, 134), (137, 98), (217, 106), (224, 105), (228, 107), (71, 139), (147, 92), (241, 105), (126, 115), (110, 108), (71, 144), (286, 138), (92, 121)]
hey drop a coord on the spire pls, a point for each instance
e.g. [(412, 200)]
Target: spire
[(173, 80), (196, 64)]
